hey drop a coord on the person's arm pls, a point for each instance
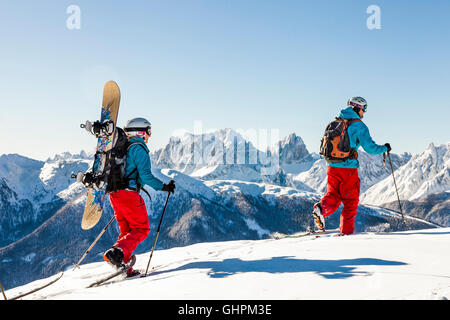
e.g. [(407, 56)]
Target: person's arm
[(144, 168), (366, 141)]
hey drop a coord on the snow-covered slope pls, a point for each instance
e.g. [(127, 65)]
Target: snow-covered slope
[(426, 173), (400, 265), (16, 169), (39, 181), (32, 191)]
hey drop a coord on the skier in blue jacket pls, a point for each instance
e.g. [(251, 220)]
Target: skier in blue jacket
[(343, 184), (129, 207)]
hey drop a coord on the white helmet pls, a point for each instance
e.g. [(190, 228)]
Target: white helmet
[(357, 102), (138, 127)]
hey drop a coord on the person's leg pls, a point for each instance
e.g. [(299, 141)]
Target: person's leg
[(115, 255), (350, 197), (132, 208), (332, 199), (116, 203)]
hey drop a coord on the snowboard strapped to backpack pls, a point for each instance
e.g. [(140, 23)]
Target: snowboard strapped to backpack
[(335, 144), (113, 173), (116, 161)]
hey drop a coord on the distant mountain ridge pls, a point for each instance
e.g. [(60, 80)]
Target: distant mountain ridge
[(424, 174), (29, 191)]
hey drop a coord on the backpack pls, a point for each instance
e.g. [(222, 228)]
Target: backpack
[(116, 162), (335, 144)]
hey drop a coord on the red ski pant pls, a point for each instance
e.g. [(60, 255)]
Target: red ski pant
[(343, 186), (131, 214)]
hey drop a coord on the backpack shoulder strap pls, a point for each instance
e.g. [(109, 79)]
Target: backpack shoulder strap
[(135, 169), (350, 121), (138, 143)]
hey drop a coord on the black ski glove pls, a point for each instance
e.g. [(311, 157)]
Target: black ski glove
[(388, 146), (169, 187)]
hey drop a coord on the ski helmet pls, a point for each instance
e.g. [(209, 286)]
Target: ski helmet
[(138, 127), (357, 102)]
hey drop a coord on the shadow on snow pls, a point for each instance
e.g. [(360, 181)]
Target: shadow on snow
[(329, 269)]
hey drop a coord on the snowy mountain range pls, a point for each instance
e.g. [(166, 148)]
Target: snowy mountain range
[(227, 189), (32, 191), (425, 173)]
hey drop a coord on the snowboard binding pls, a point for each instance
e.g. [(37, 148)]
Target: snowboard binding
[(89, 180), (99, 129)]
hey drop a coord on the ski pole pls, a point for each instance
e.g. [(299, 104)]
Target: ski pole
[(93, 243), (396, 190), (157, 234), (3, 292)]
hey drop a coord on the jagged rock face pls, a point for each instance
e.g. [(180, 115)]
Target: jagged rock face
[(292, 150), (190, 152), (227, 155)]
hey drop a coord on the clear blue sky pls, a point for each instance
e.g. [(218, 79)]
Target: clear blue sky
[(242, 64)]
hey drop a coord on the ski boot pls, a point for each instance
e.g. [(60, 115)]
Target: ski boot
[(340, 234), (114, 256), (319, 219), (131, 273)]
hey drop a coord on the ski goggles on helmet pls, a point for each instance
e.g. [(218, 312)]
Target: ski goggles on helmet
[(140, 132), (354, 104)]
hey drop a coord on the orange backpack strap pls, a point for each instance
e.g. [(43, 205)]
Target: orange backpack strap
[(353, 152), (352, 121)]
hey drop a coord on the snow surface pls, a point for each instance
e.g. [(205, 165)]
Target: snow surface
[(401, 265)]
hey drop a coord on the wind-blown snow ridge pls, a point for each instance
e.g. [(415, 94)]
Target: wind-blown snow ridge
[(400, 265)]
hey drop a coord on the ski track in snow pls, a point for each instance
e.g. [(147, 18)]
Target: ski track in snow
[(398, 265)]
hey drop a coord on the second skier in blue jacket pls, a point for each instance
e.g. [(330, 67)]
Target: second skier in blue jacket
[(343, 184)]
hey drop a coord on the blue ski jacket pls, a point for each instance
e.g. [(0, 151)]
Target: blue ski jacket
[(359, 135), (139, 165)]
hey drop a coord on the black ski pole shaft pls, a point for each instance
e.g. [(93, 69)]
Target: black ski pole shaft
[(3, 291), (93, 243), (157, 233), (396, 189)]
